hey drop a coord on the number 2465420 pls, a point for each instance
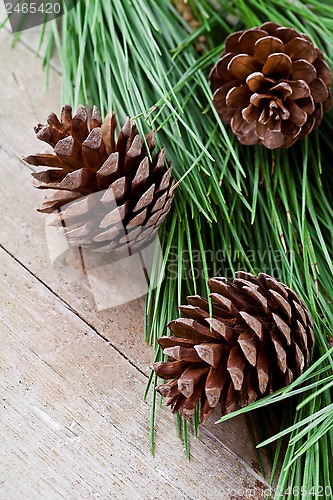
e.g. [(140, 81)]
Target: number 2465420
[(33, 8)]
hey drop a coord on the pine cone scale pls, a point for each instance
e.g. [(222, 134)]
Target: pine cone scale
[(243, 65), (216, 380), (69, 151), (236, 93), (249, 345), (248, 40), (93, 150), (210, 353), (79, 129), (191, 377), (265, 46)]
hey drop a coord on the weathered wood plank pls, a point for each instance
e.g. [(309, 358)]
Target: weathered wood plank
[(73, 421)]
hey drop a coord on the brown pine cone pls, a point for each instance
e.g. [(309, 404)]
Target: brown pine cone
[(111, 192), (259, 338), (186, 11), (272, 85)]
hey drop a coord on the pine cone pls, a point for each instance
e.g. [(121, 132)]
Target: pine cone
[(258, 340), (187, 13), (272, 85), (113, 196)]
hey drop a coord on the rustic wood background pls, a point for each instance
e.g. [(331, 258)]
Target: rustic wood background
[(73, 420)]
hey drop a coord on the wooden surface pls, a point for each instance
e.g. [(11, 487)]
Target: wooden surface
[(73, 421)]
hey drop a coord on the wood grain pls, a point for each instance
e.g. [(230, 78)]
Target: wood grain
[(74, 424), (73, 420)]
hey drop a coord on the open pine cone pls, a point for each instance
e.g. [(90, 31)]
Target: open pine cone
[(111, 193), (272, 85), (258, 340)]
